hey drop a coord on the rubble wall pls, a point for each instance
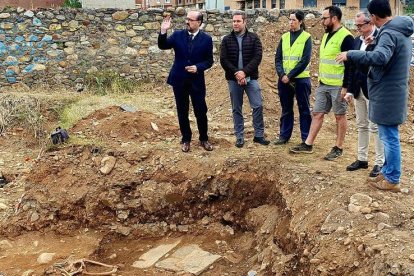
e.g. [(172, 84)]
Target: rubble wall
[(63, 46)]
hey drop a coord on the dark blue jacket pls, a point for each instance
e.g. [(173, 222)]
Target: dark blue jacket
[(358, 73), (200, 55), (389, 71)]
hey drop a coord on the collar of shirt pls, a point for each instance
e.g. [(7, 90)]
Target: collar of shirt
[(194, 34), (363, 37)]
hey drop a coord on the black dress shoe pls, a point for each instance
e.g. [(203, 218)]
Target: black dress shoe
[(375, 171), (261, 141), (357, 165), (239, 142), (280, 141)]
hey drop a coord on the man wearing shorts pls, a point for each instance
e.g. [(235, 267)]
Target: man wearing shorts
[(333, 81)]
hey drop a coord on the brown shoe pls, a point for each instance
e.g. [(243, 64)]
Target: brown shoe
[(378, 178), (185, 146), (206, 145), (386, 186)]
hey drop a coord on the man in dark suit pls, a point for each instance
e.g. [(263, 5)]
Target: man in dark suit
[(357, 89), (193, 55)]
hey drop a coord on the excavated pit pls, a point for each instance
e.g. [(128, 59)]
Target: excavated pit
[(232, 202)]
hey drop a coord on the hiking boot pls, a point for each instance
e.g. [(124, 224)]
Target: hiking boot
[(261, 141), (378, 178), (357, 165), (386, 186), (334, 154), (280, 141), (302, 148), (376, 170), (239, 142)]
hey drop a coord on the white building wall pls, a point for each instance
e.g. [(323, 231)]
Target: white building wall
[(102, 4)]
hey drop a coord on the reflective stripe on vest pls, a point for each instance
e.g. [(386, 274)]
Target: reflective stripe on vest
[(331, 72), (293, 54)]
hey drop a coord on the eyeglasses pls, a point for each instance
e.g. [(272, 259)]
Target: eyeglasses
[(191, 20), (324, 18), (359, 26)]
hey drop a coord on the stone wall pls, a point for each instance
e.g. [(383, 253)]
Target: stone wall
[(63, 46)]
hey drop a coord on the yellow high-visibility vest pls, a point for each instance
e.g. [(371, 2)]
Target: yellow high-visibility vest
[(293, 54), (331, 72)]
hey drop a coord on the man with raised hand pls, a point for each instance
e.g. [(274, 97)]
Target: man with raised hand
[(193, 55)]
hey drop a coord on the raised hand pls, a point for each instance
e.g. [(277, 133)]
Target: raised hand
[(166, 24)]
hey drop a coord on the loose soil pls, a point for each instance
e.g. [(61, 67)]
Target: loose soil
[(259, 207)]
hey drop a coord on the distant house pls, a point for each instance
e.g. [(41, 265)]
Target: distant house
[(32, 4), (396, 5)]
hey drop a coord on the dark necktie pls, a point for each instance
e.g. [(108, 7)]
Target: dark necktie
[(190, 43)]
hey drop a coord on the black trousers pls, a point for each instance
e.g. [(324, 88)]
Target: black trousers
[(183, 92)]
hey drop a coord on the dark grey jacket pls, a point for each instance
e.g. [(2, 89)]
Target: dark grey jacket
[(389, 71)]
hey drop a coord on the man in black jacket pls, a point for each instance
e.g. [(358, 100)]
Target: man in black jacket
[(241, 54), (358, 84)]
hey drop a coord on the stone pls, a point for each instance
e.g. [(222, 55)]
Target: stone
[(120, 15), (131, 51), (149, 258), (180, 11), (120, 28), (29, 272), (4, 15), (190, 259), (39, 67), (152, 25), (3, 206), (107, 164), (360, 200), (34, 217), (4, 244), (261, 20), (209, 28), (73, 25), (45, 258), (130, 33)]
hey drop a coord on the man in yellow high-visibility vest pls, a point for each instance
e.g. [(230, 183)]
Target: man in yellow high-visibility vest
[(292, 60), (333, 82)]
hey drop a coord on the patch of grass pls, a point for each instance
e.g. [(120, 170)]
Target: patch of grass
[(72, 4), (109, 82)]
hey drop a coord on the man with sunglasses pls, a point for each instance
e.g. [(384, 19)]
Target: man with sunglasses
[(387, 85), (333, 83), (357, 89), (193, 55)]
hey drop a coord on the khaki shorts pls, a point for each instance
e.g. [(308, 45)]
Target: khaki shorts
[(328, 97)]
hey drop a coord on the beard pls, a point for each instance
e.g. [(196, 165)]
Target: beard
[(329, 28)]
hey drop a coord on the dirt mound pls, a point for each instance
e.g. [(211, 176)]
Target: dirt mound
[(113, 123)]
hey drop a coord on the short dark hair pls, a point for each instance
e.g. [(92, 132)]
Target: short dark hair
[(200, 17), (380, 8), (334, 11), (301, 17), (242, 13)]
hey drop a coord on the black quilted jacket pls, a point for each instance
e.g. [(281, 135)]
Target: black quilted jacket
[(251, 51)]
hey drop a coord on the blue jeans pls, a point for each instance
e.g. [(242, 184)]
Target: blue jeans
[(287, 93), (254, 94), (390, 137)]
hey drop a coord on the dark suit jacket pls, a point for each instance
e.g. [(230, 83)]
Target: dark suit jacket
[(200, 54), (358, 77)]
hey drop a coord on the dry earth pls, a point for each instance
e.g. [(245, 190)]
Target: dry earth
[(260, 208)]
